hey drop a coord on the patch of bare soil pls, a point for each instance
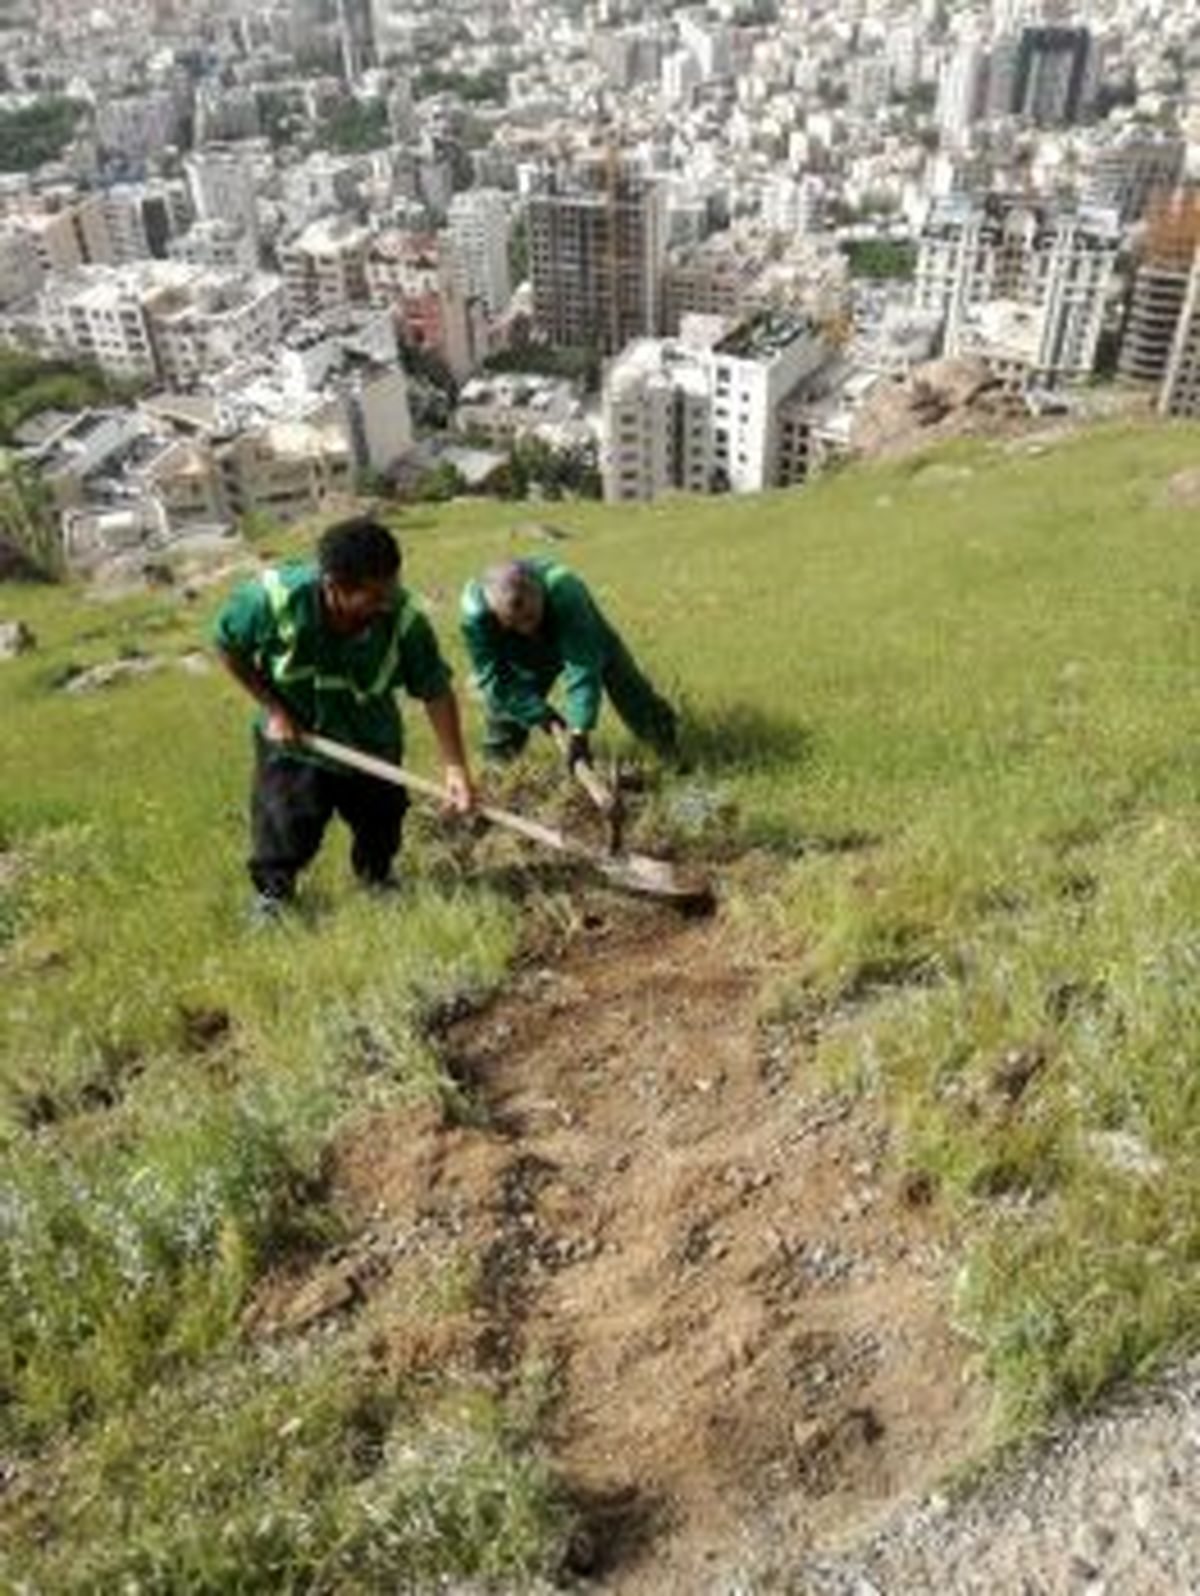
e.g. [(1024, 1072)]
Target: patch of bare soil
[(744, 1301)]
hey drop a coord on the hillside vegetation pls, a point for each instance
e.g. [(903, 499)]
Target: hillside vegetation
[(942, 719)]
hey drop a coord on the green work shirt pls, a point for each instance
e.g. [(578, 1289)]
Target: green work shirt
[(340, 687), (514, 673)]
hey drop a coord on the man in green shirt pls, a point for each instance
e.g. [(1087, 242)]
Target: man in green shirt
[(324, 648), (529, 621)]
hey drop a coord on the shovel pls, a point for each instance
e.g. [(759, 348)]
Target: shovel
[(605, 798), (632, 872)]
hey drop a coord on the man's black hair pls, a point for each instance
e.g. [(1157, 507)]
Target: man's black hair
[(358, 550)]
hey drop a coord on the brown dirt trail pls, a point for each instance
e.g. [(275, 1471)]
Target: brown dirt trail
[(746, 1318)]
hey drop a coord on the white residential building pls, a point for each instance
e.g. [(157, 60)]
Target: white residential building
[(219, 244), (656, 422), (791, 205), (754, 369), (707, 42), (682, 415), (325, 268), (213, 319), (224, 189), (143, 218), (962, 91), (163, 320), (139, 126), (1056, 262), (20, 273), (479, 230)]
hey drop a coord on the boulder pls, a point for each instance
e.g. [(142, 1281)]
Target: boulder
[(941, 399), (15, 638)]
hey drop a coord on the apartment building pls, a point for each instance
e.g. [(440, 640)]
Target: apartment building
[(224, 188), (325, 267), (1160, 287), (656, 422), (479, 228), (1126, 175), (754, 368), (162, 320), (597, 250), (208, 319), (142, 219), (696, 419), (1180, 393), (413, 275), (1055, 262)]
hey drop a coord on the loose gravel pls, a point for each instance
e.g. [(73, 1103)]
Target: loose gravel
[(1110, 1507)]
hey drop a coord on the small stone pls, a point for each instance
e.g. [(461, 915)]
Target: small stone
[(15, 638)]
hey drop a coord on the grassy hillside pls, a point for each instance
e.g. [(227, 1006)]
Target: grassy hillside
[(942, 716)]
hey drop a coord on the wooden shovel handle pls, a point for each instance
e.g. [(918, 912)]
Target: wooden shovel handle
[(597, 789), (548, 836)]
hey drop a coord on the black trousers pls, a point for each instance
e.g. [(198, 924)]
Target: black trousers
[(292, 803)]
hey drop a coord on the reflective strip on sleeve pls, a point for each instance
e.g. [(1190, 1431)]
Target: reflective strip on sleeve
[(283, 668)]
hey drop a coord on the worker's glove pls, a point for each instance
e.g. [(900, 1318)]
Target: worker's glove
[(578, 751)]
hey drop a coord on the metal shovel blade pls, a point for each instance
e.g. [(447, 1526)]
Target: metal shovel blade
[(654, 878)]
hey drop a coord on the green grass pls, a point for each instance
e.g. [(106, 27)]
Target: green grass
[(941, 713)]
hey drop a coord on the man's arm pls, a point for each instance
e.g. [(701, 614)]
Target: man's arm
[(281, 726), (447, 728), (582, 638)]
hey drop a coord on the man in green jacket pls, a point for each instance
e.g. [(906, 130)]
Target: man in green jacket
[(324, 648), (529, 621)]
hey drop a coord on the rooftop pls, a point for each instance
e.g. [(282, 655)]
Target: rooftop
[(765, 336)]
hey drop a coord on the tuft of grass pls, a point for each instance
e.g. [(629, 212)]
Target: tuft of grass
[(278, 1477), (121, 1266)]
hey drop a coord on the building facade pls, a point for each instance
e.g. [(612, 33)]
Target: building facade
[(597, 249)]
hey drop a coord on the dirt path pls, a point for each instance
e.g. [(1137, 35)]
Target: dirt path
[(745, 1318)]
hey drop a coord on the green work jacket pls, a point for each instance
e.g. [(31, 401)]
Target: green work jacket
[(340, 687), (515, 673)]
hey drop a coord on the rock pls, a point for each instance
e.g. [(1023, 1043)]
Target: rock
[(116, 670), (15, 638), (1183, 489), (1125, 1153), (196, 663), (944, 398)]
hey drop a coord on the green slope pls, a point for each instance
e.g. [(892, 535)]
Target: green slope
[(943, 720)]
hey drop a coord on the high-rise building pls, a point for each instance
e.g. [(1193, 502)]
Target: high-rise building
[(1055, 79), (1127, 174), (479, 229), (1180, 395), (962, 92), (1052, 264), (596, 247), (677, 416), (1166, 253), (143, 218), (222, 184)]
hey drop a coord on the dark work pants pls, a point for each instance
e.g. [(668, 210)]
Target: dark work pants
[(292, 803), (643, 710)]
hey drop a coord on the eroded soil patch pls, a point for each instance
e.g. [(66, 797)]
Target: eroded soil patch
[(745, 1311)]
